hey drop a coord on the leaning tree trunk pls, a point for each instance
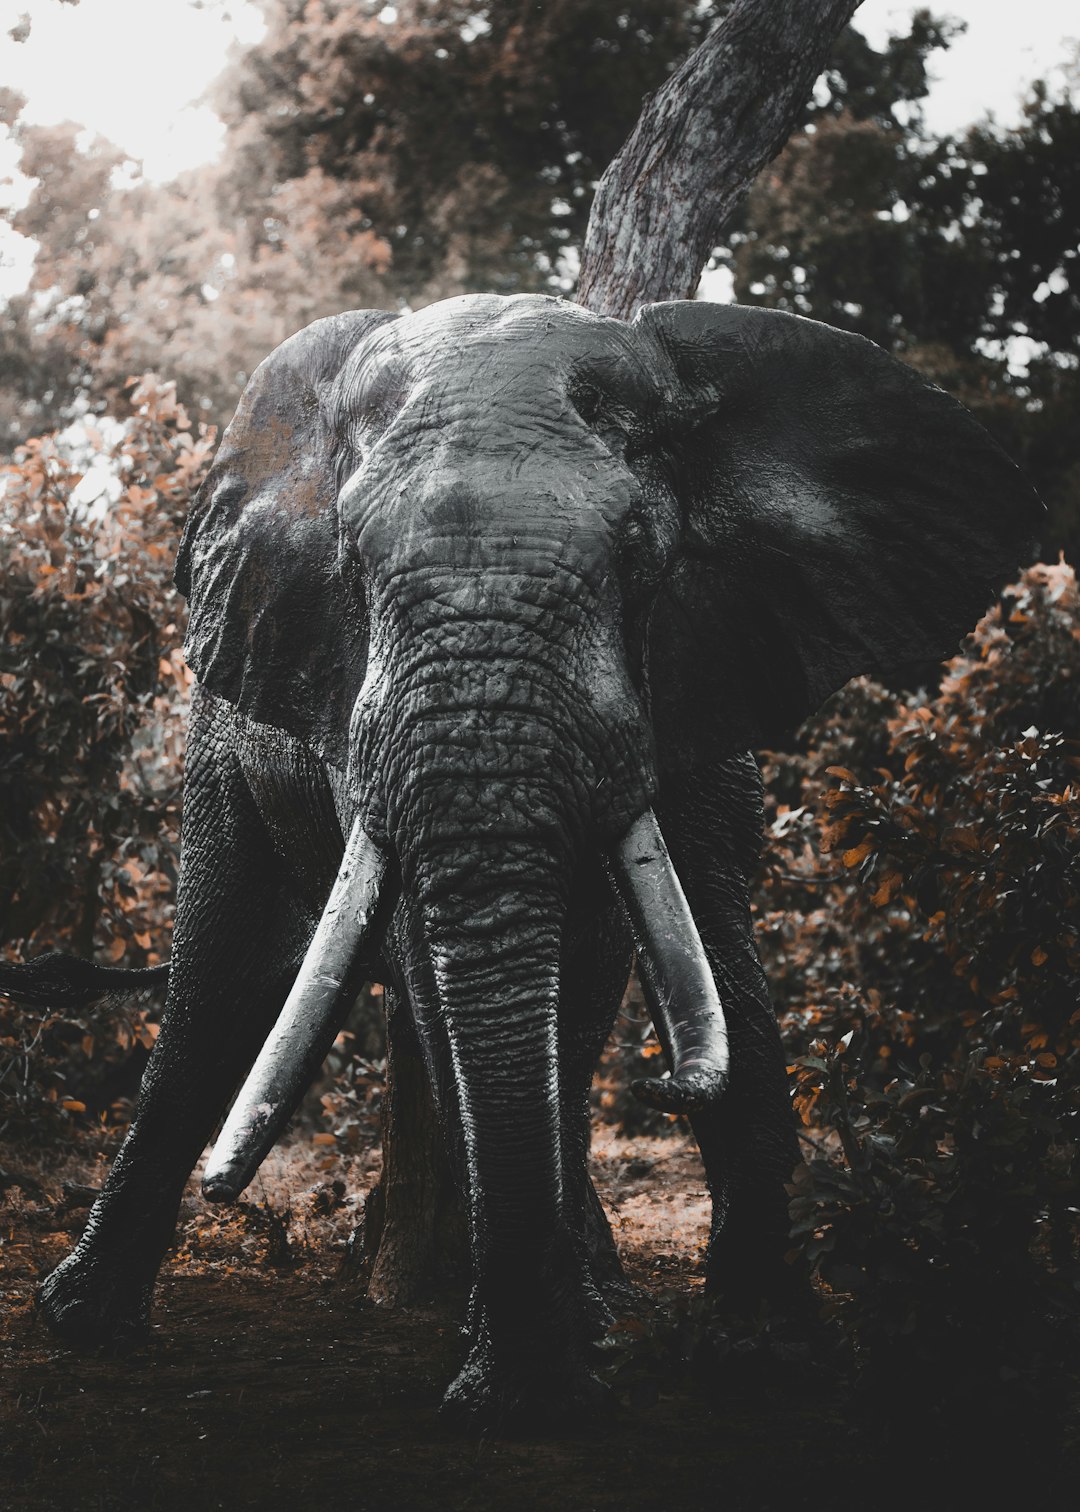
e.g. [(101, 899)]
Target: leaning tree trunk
[(659, 211), (698, 145)]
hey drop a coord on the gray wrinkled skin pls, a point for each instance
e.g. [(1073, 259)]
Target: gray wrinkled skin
[(496, 577)]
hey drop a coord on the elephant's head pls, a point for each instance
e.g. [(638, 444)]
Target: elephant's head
[(510, 566)]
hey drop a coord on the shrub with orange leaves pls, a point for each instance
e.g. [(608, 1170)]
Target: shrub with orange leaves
[(632, 1051), (919, 915), (93, 691)]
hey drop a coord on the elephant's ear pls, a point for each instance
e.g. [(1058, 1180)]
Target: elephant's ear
[(842, 516), (272, 627)]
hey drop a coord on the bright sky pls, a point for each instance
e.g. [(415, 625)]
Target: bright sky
[(134, 71), (1008, 44)]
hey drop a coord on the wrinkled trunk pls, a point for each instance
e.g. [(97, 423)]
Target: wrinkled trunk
[(482, 823), (495, 953), (481, 736), (415, 1234)]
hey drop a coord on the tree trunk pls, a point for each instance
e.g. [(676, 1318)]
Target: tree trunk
[(414, 1233), (698, 145)]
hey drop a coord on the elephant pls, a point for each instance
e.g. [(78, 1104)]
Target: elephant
[(489, 605)]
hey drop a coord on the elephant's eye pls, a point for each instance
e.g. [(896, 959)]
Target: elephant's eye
[(636, 551), (587, 400), (633, 533), (367, 428), (374, 396), (229, 498), (608, 419), (646, 538)]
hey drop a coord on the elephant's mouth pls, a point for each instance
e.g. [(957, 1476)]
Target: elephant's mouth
[(675, 973)]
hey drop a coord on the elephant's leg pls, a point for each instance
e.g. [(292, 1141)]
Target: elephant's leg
[(712, 823), (594, 979), (231, 966)]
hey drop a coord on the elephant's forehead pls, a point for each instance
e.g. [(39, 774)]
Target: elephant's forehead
[(487, 344), (503, 319)]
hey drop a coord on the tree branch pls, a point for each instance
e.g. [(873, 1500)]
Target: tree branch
[(698, 145)]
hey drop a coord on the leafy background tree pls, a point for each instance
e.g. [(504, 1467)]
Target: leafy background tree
[(93, 698), (456, 149), (961, 255), (365, 164)]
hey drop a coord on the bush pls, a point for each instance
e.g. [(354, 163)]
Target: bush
[(93, 694), (918, 915), (632, 1051)]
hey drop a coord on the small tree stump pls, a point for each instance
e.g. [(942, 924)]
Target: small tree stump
[(414, 1233)]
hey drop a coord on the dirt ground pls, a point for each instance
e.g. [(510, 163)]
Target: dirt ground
[(268, 1382)]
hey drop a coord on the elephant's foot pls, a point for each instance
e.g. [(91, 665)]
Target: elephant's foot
[(599, 1314), (620, 1297), (606, 1293), (744, 1269), (526, 1398), (605, 1298), (92, 1303)]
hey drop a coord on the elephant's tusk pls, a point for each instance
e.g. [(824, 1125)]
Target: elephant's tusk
[(675, 973), (327, 983)]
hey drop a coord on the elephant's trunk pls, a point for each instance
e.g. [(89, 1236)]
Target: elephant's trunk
[(675, 973), (495, 946), (329, 979)]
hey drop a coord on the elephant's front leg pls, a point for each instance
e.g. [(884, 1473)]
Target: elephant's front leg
[(712, 823), (230, 971)]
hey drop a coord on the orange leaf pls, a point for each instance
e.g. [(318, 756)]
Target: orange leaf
[(1039, 956), (966, 839), (324, 1139), (73, 1105), (857, 853)]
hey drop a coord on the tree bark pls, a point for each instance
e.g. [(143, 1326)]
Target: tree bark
[(415, 1231), (698, 145)]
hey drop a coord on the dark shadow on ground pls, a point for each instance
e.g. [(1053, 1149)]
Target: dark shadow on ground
[(274, 1386)]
